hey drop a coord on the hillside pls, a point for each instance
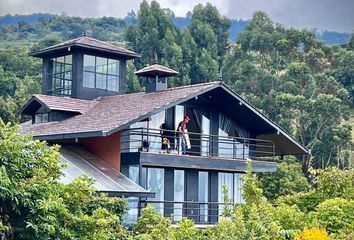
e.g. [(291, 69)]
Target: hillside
[(25, 27)]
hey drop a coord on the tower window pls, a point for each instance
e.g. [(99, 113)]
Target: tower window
[(60, 75), (101, 73)]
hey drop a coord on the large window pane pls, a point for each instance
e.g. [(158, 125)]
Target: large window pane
[(101, 81), (224, 179), (205, 136), (155, 183), (132, 215), (112, 84), (89, 63), (113, 66), (134, 173), (106, 73), (178, 194), (238, 183), (69, 59), (38, 118), (61, 75), (155, 136), (89, 79), (101, 65), (203, 194)]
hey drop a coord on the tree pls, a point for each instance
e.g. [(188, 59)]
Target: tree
[(287, 180), (288, 74), (35, 205), (345, 72), (157, 39)]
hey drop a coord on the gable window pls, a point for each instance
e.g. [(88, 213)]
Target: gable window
[(61, 75), (41, 118), (101, 73)]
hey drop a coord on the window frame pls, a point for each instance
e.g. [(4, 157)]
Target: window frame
[(61, 73), (43, 117), (105, 71)]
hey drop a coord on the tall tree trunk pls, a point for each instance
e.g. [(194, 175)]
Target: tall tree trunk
[(306, 163)]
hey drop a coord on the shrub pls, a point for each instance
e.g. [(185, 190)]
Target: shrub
[(35, 205), (151, 225), (336, 216), (288, 179)]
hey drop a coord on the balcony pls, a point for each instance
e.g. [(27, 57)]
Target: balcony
[(205, 151), (202, 213), (203, 145)]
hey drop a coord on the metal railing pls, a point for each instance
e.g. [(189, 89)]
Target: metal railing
[(199, 212), (206, 145)]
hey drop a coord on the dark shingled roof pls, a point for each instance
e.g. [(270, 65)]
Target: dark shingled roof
[(156, 69), (61, 103), (87, 43), (111, 113)]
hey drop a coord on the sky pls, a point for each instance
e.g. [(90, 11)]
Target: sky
[(333, 15)]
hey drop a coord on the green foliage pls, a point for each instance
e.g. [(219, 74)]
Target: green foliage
[(64, 27), (287, 180), (187, 231), (336, 183), (18, 81), (289, 217), (35, 205), (251, 193), (336, 216), (151, 225), (330, 183), (295, 80)]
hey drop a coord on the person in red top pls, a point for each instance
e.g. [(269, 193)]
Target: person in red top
[(183, 135)]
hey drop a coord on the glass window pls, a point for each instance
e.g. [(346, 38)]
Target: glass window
[(112, 83), (154, 131), (238, 183), (41, 118), (101, 73), (178, 194), (38, 118), (60, 76), (132, 214), (205, 137), (101, 65), (45, 117), (113, 67), (134, 173), (89, 79), (101, 81), (224, 179), (69, 59), (89, 63), (203, 195), (179, 114), (155, 183), (234, 183)]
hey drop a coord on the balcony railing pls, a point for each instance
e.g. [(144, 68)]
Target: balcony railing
[(205, 145), (199, 212)]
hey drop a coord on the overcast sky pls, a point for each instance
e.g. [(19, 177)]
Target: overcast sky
[(335, 15)]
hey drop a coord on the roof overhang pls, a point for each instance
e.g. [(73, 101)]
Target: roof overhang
[(80, 162), (68, 48), (228, 101)]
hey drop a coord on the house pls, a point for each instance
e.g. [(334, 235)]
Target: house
[(117, 138)]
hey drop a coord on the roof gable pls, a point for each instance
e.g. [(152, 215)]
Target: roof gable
[(113, 113), (56, 103)]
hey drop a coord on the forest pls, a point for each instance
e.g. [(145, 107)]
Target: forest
[(303, 84)]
